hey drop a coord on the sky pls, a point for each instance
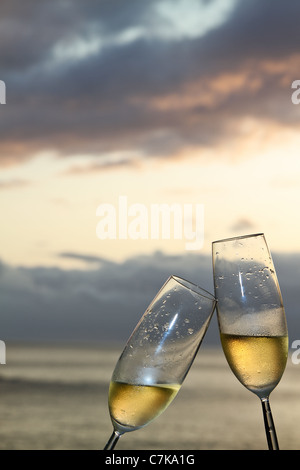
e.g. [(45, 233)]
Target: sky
[(185, 102)]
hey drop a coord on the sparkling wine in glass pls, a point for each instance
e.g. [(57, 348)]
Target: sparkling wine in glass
[(251, 317), (158, 355)]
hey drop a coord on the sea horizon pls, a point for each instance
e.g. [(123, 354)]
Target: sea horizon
[(54, 396)]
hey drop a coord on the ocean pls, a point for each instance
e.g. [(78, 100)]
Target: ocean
[(54, 397)]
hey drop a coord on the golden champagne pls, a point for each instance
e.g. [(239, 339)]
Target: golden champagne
[(257, 361), (132, 406)]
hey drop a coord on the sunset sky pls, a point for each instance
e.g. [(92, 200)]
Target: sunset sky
[(176, 101), (169, 101)]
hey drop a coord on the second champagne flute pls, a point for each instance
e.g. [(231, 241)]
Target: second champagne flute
[(158, 355), (251, 317)]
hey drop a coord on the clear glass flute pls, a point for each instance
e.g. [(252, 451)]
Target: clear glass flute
[(251, 318), (158, 355)]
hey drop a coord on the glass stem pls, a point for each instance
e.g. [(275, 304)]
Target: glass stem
[(269, 424), (112, 440)]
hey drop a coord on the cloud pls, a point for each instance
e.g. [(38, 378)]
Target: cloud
[(84, 258), (102, 165), (99, 78), (99, 304), (104, 302), (242, 225), (13, 183)]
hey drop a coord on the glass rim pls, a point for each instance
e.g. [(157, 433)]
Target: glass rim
[(240, 237), (193, 287)]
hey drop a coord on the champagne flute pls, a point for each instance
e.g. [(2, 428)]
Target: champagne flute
[(158, 355), (251, 318)]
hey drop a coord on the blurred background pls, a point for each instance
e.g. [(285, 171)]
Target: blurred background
[(169, 101)]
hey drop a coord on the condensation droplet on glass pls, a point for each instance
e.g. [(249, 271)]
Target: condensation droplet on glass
[(186, 320), (190, 331)]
